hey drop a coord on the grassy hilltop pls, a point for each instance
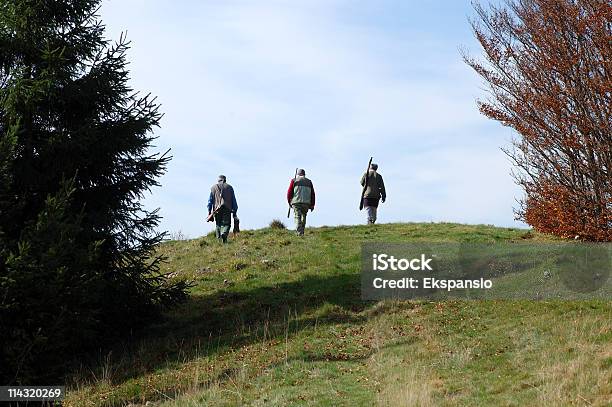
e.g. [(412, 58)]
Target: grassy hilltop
[(276, 320)]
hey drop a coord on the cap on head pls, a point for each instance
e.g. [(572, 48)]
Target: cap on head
[(374, 166), (221, 178), (301, 172)]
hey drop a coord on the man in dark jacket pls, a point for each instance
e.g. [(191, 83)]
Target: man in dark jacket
[(301, 197), (373, 193), (222, 202)]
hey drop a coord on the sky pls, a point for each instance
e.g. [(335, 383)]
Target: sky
[(254, 89)]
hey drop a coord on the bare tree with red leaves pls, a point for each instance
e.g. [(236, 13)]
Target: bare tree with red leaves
[(548, 69)]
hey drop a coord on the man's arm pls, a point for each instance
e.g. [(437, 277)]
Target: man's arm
[(290, 192), (211, 202), (383, 192), (234, 202), (312, 197), (363, 177)]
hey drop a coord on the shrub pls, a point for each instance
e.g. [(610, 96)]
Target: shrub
[(277, 224)]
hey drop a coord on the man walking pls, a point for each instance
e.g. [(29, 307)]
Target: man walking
[(301, 197), (222, 204), (373, 193)]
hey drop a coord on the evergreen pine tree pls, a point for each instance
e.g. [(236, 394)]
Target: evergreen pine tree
[(77, 257)]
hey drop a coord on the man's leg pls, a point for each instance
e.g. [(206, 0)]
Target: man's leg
[(227, 223), (300, 221), (374, 211), (218, 226), (296, 217), (303, 223), (224, 233), (369, 214), (300, 218), (223, 218)]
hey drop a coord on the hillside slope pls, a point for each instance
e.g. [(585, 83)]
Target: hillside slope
[(278, 320)]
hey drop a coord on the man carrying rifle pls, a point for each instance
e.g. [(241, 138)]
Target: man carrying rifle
[(222, 205), (301, 197), (374, 190)]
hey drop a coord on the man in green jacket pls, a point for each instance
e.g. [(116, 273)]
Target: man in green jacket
[(373, 193), (301, 197)]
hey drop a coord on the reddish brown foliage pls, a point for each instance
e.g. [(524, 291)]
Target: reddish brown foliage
[(549, 72), (551, 208)]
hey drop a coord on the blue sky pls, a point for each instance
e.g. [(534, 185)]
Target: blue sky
[(253, 89)]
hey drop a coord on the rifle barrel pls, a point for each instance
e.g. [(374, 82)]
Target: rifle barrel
[(365, 184), (294, 177)]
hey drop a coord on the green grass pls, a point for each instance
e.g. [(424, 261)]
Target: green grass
[(277, 320)]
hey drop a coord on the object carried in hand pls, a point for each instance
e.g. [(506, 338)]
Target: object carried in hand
[(365, 186), (236, 225), (211, 216)]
